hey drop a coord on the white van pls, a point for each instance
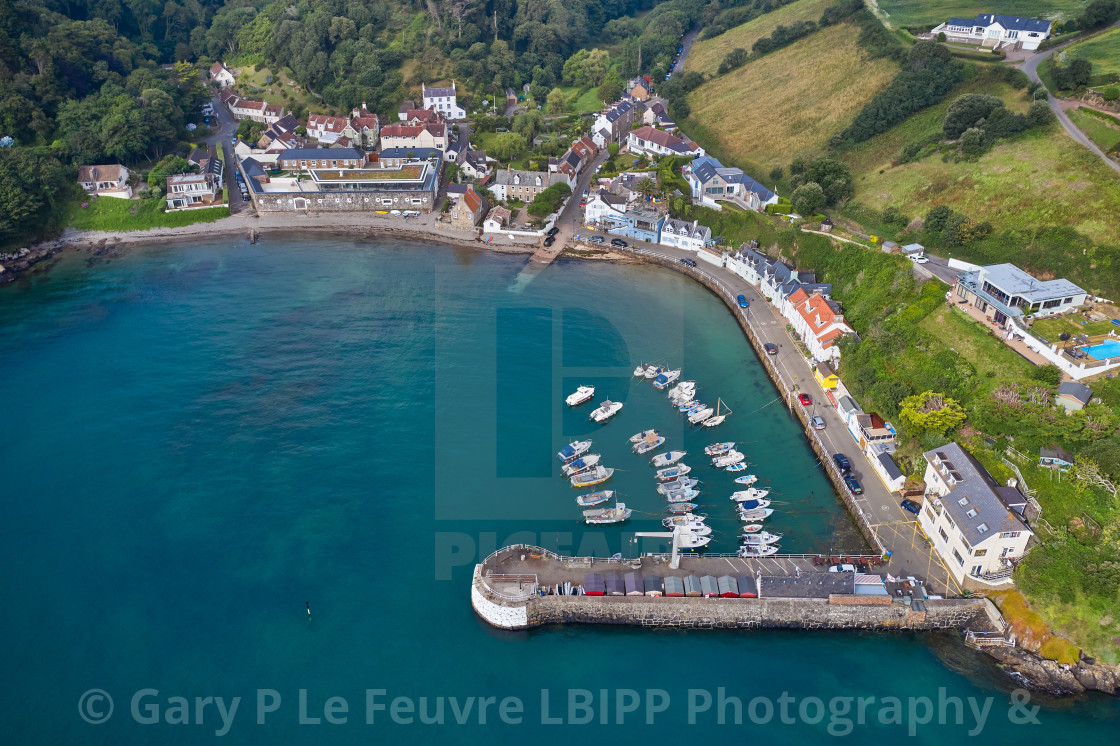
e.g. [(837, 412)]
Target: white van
[(395, 213), (411, 213)]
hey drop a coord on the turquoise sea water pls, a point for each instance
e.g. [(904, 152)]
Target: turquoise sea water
[(200, 439)]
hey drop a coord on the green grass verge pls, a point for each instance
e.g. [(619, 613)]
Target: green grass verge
[(1052, 328), (1104, 134), (1102, 50), (111, 214)]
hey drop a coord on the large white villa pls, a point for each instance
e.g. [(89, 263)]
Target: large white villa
[(996, 31)]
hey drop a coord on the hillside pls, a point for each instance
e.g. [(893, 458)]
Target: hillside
[(789, 102), (1103, 51), (706, 54), (904, 13)]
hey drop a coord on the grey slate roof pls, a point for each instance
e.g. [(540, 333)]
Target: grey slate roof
[(685, 228), (890, 467), (1076, 390), (1013, 23), (1014, 281), (995, 508), (296, 154), (1055, 453)]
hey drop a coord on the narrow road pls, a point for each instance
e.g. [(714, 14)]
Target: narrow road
[(686, 44), (1030, 67), (221, 138)]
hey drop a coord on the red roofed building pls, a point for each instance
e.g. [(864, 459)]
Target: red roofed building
[(258, 111), (468, 210), (409, 136), (421, 116), (659, 142), (819, 323), (325, 128)]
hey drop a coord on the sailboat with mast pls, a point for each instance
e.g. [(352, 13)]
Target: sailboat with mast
[(720, 416)]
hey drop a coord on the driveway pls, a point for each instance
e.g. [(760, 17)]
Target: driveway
[(1030, 67)]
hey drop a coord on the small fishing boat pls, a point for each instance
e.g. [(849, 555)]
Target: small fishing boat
[(606, 410), (640, 370), (680, 483), (741, 466), (597, 475), (580, 464), (582, 394), (682, 520), (696, 529), (575, 449), (682, 508), (720, 415), (748, 505), (697, 417), (748, 480), (752, 528), (682, 496), (651, 371), (673, 472), (715, 449), (667, 458), (646, 446), (760, 538), (638, 437), (665, 378), (690, 404), (594, 498), (753, 516), (750, 493), (688, 542), (728, 459), (617, 514), (758, 551)]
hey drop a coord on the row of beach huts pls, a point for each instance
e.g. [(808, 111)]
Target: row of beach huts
[(636, 584)]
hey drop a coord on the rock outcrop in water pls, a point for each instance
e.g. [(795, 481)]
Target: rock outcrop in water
[(1058, 678)]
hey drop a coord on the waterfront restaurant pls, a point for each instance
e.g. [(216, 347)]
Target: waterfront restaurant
[(1003, 291)]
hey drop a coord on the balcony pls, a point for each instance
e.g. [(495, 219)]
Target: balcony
[(999, 305)]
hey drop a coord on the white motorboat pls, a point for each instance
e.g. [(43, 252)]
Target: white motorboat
[(687, 542), (640, 370), (752, 528), (720, 415), (728, 459), (673, 472), (697, 417), (682, 496), (682, 520), (760, 538), (652, 371), (750, 551), (698, 528), (606, 410), (594, 498), (582, 394), (750, 493), (580, 464), (636, 437), (715, 449), (680, 483), (650, 443), (741, 466), (688, 387), (756, 515), (617, 514), (596, 475), (748, 480), (666, 377), (667, 458), (573, 450)]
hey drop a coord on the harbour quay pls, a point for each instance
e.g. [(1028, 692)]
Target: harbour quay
[(522, 587)]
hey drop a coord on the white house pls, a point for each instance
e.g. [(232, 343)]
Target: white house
[(258, 111), (185, 191), (475, 164), (442, 100), (976, 525), (105, 181), (1003, 291), (325, 128), (613, 123), (819, 323), (602, 204), (710, 183), (496, 220), (996, 31), (685, 235), (221, 75), (659, 142)]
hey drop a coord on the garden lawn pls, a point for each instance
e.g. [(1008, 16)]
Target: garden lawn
[(929, 13), (112, 214), (788, 102), (1102, 50), (1104, 134), (705, 55), (1051, 328), (588, 101), (248, 79), (995, 362)]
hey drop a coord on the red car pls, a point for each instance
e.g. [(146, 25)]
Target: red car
[(804, 399)]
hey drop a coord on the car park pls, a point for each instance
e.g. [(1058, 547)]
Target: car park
[(619, 242), (817, 422), (853, 485), (842, 463), (912, 506), (771, 348), (743, 301), (805, 400)]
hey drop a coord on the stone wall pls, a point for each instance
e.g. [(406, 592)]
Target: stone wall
[(340, 201)]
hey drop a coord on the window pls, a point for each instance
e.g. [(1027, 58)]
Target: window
[(1010, 534), (980, 553), (982, 528), (949, 520), (957, 556), (962, 502), (972, 513), (944, 536)]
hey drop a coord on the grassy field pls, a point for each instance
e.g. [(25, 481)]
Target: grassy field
[(705, 55), (1103, 51), (789, 102), (112, 214), (249, 79), (1052, 328), (901, 13), (994, 361), (1104, 134)]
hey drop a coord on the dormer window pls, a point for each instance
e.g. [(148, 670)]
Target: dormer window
[(982, 528), (972, 513), (963, 501)]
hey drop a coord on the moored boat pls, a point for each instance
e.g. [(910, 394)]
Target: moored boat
[(750, 551), (689, 405), (682, 495), (715, 449), (573, 450), (673, 472), (667, 458), (651, 371), (665, 378), (697, 417), (750, 493), (682, 520), (741, 466), (680, 483), (648, 445), (760, 538), (689, 542), (582, 394), (720, 415), (758, 514), (638, 437), (752, 528), (597, 475), (748, 480), (682, 508), (640, 370), (606, 410), (617, 514), (594, 498), (580, 464), (748, 505), (728, 459)]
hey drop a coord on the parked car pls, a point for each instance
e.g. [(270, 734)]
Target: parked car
[(817, 422), (595, 239), (688, 262), (842, 463), (805, 400), (771, 348), (842, 568), (411, 213), (549, 240), (853, 485), (919, 258), (395, 213), (743, 302), (619, 242), (912, 506), (553, 231), (582, 203)]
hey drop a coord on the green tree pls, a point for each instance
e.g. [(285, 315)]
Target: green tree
[(612, 149), (611, 88), (556, 102), (807, 198), (776, 173), (1039, 114), (528, 123), (972, 142), (930, 412), (966, 111), (506, 146), (833, 177), (32, 183), (1112, 93), (168, 166), (647, 187)]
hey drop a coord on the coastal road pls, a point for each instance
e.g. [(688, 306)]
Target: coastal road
[(1030, 67), (911, 553)]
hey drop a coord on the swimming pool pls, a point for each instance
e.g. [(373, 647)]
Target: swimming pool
[(1111, 348)]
